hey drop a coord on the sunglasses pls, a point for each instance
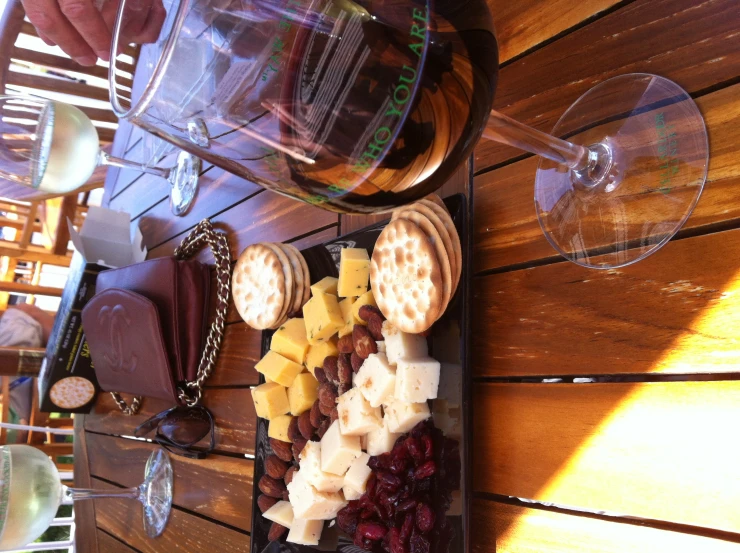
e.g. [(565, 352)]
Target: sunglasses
[(179, 429)]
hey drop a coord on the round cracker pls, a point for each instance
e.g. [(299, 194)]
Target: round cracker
[(436, 200), (449, 224), (298, 278), (306, 275), (72, 392), (258, 286), (444, 233), (289, 282), (405, 276), (436, 240)]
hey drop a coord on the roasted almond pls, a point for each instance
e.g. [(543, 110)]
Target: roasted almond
[(298, 446), (276, 532), (345, 344), (375, 327), (282, 449), (344, 387), (304, 425), (288, 478), (264, 502), (272, 487), (330, 368), (275, 467), (364, 342), (334, 415), (315, 414), (357, 361), (366, 311), (323, 428), (293, 431), (344, 367), (327, 397), (320, 375)]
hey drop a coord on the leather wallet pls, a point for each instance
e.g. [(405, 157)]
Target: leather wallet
[(145, 326)]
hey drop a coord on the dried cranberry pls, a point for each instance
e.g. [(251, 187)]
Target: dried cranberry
[(419, 544), (399, 461), (370, 486), (347, 521), (388, 480), (362, 542), (371, 530), (352, 507), (408, 505), (428, 447), (395, 544), (424, 518), (368, 513), (420, 429), (426, 470), (407, 527), (414, 449)]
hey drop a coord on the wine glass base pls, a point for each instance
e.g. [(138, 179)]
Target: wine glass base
[(184, 180), (658, 156), (156, 492)]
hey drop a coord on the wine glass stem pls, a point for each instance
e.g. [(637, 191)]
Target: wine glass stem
[(104, 158), (77, 494)]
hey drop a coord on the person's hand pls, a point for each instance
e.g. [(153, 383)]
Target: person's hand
[(42, 317), (84, 33)]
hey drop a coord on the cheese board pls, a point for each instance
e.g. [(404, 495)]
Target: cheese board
[(418, 384)]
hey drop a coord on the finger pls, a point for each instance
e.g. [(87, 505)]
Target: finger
[(85, 17), (135, 17), (150, 32), (46, 39), (48, 19)]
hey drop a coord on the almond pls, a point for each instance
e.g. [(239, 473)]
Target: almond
[(293, 431), (344, 388), (315, 414), (327, 397), (330, 368), (324, 427), (345, 344), (375, 327), (281, 449), (364, 343), (272, 487), (304, 425), (357, 361), (320, 375), (298, 446), (276, 532), (264, 502), (345, 368), (289, 475), (366, 311), (334, 415), (275, 467)]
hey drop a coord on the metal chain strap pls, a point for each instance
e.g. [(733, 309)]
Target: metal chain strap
[(203, 234)]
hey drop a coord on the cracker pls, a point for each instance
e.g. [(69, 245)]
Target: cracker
[(258, 286), (72, 392), (306, 274), (449, 224), (405, 276), (439, 202), (299, 280), (436, 240), (289, 282)]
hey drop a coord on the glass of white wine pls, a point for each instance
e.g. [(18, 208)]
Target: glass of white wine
[(31, 492), (54, 147)]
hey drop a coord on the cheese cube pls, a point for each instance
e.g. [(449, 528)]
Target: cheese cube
[(278, 368), (401, 344), (318, 352), (311, 504), (338, 451), (356, 415), (354, 272), (403, 416), (310, 463), (290, 340), (278, 427), (358, 473), (365, 299), (281, 512), (381, 440), (350, 494), (417, 380), (376, 379), (349, 321), (381, 346), (270, 400), (305, 532), (327, 285), (303, 393), (323, 317)]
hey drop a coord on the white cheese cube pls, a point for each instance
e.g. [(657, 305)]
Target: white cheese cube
[(357, 475), (376, 379), (310, 462), (350, 494), (356, 415), (417, 380), (401, 344), (338, 451), (381, 440), (403, 416), (381, 346), (281, 512), (311, 504), (305, 532)]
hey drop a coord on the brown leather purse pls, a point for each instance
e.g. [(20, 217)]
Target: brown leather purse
[(146, 323)]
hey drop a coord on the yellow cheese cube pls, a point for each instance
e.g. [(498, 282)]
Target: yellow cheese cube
[(278, 427), (303, 393), (323, 317), (270, 400), (365, 299), (349, 321), (278, 368), (317, 353), (290, 340), (327, 285), (354, 272)]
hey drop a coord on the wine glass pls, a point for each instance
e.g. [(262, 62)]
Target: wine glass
[(54, 147), (31, 492), (359, 106)]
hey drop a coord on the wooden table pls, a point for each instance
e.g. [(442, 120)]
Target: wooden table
[(606, 404)]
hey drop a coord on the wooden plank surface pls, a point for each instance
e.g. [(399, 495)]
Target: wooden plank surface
[(109, 544), (122, 518), (674, 312), (86, 536), (654, 450), (526, 530), (215, 488)]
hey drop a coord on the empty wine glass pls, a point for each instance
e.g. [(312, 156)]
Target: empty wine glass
[(54, 147), (31, 492)]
